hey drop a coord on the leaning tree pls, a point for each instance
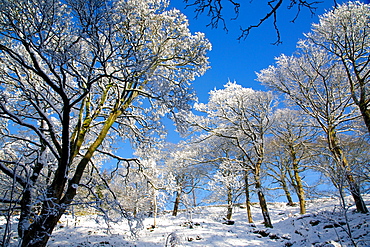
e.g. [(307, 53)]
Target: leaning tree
[(76, 77)]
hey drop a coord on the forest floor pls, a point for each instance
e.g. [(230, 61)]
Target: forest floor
[(324, 224)]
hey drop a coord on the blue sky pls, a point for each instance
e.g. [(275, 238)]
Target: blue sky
[(238, 61)]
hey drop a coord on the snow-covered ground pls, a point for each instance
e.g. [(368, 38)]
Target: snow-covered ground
[(323, 225)]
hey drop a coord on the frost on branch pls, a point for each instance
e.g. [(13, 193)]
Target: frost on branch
[(77, 78)]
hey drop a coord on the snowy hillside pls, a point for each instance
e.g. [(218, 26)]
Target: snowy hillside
[(324, 225)]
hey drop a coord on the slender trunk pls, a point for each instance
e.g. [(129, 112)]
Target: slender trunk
[(365, 112), (247, 197), (361, 100), (300, 191), (298, 182), (261, 196), (342, 162), (229, 204), (355, 192), (264, 209), (194, 198), (177, 203), (287, 192), (25, 231), (155, 208)]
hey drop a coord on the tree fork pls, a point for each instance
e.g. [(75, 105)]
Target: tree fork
[(55, 208)]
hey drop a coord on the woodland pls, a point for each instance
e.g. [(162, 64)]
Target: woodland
[(80, 78)]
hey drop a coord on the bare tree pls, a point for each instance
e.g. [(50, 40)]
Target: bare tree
[(216, 10), (75, 78)]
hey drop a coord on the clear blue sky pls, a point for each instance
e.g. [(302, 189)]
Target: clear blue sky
[(238, 61)]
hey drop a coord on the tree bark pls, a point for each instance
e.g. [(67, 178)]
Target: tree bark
[(176, 204), (342, 162), (299, 189), (58, 199), (355, 192), (229, 204), (247, 197), (261, 196), (298, 182), (40, 231), (155, 208), (287, 192)]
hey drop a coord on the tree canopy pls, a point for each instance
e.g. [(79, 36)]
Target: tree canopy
[(77, 77)]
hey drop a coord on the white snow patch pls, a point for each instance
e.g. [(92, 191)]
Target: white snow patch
[(323, 225)]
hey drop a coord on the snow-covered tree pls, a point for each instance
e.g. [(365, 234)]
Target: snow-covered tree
[(227, 183), (316, 82), (244, 116), (344, 32), (221, 161), (289, 151), (182, 165), (76, 77)]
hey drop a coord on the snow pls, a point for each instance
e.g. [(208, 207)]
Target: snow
[(324, 224)]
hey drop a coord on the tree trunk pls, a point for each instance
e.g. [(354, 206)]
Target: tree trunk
[(155, 208), (299, 189), (229, 204), (177, 203), (194, 197), (264, 209), (342, 162), (355, 192), (287, 192), (261, 196), (365, 112), (40, 231), (363, 101), (247, 197), (298, 185)]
